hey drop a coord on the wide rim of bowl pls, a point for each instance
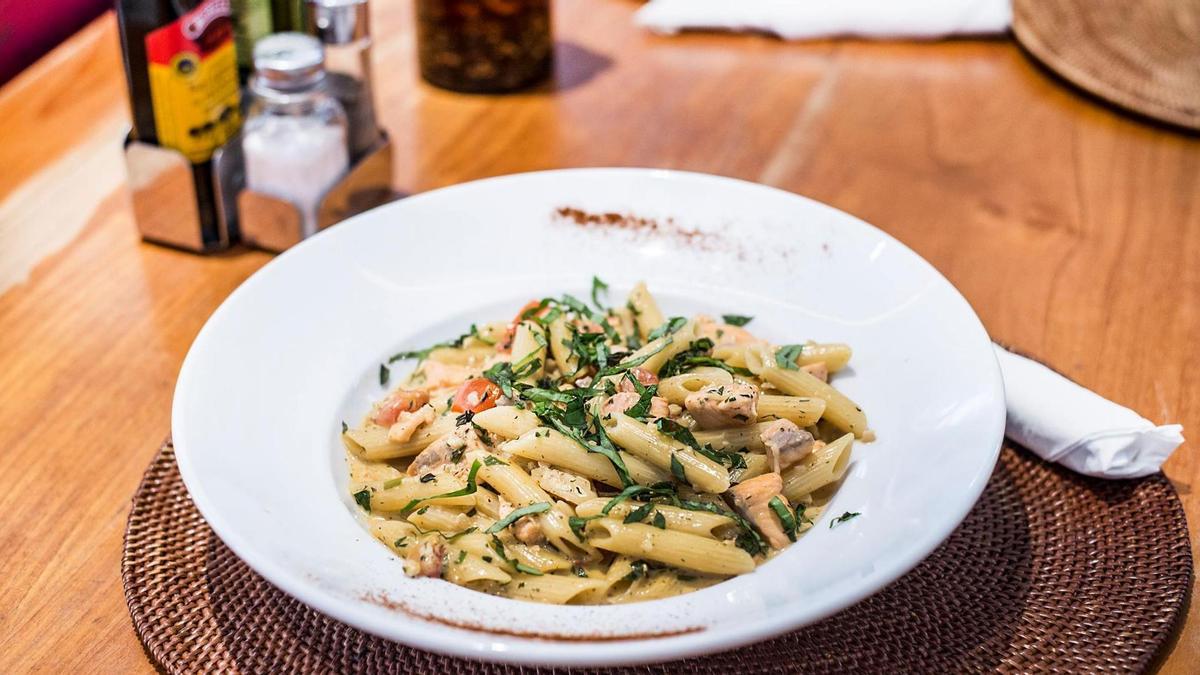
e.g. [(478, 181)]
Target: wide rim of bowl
[(488, 646)]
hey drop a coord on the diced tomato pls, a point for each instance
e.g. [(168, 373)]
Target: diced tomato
[(476, 395), (506, 344)]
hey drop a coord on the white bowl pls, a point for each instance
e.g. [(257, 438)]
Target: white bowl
[(296, 349)]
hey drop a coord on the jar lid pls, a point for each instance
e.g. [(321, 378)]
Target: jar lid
[(288, 61), (337, 22)]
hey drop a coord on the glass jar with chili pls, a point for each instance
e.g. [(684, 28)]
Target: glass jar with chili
[(484, 45)]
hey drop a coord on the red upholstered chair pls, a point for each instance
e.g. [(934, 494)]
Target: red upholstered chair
[(30, 28)]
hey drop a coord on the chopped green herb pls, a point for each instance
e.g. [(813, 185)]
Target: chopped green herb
[(786, 518), (363, 498), (399, 543), (695, 356), (345, 428), (457, 455), (526, 569), (427, 478), (464, 533), (785, 356), (493, 461), (393, 482), (577, 523), (669, 327), (639, 514), (464, 418), (736, 319), (468, 490), (598, 286), (660, 521), (421, 511), (487, 558), (677, 470), (631, 363), (475, 334), (579, 571), (384, 374), (748, 539), (482, 434), (843, 518), (516, 515), (462, 555), (422, 354), (637, 570)]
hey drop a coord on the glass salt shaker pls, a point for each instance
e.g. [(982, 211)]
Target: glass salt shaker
[(343, 26), (294, 139)]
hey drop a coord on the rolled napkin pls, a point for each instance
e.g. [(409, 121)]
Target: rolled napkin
[(808, 19), (1076, 427)]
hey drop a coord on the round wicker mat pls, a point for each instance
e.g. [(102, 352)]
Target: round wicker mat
[(1143, 56), (1051, 571)]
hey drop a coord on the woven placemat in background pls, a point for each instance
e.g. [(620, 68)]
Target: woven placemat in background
[(1051, 571), (1143, 55)]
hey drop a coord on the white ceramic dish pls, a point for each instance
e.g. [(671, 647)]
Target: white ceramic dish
[(296, 349)]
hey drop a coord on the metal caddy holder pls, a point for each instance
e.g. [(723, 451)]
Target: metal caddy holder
[(164, 198)]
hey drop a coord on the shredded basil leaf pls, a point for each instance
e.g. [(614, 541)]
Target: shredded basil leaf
[(363, 497), (428, 478), (464, 418), (843, 518), (637, 570), (785, 516), (639, 514), (470, 489), (462, 555), (399, 543), (598, 286), (493, 461), (422, 354), (677, 470), (668, 327), (516, 515), (786, 355), (384, 374), (345, 428), (464, 533), (736, 319), (659, 521)]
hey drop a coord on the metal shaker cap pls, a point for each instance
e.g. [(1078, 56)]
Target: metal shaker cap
[(337, 22), (288, 61)]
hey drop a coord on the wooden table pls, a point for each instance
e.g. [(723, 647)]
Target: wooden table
[(1073, 230)]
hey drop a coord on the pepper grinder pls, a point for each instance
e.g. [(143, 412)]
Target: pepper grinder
[(343, 26)]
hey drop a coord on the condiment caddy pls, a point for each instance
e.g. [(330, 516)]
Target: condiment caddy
[(201, 179)]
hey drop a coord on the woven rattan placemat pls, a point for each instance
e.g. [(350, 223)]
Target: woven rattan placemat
[(1143, 55), (1051, 571)]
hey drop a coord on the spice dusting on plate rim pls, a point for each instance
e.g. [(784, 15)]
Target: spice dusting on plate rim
[(382, 600)]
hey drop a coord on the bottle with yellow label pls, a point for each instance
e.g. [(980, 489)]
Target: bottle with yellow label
[(181, 66)]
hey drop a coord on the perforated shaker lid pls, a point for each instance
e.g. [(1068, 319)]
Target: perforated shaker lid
[(288, 61), (337, 22)]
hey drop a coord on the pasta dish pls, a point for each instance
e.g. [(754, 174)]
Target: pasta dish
[(594, 454)]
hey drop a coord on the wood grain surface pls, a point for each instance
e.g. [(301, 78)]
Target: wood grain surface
[(1072, 230)]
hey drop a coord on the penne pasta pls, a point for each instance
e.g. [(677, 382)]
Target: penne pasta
[(686, 551), (839, 410), (565, 461)]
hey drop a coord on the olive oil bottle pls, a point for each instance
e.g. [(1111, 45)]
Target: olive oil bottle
[(181, 67)]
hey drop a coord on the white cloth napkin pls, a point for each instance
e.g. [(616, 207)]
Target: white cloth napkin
[(807, 19), (1076, 427)]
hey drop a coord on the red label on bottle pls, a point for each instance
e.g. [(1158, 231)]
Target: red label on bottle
[(193, 80)]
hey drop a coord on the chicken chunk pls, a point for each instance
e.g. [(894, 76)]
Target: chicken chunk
[(565, 485), (624, 400), (526, 529), (818, 370), (436, 375), (643, 376), (723, 333), (408, 422), (724, 405), (427, 560), (401, 400), (786, 443), (440, 451), (753, 499)]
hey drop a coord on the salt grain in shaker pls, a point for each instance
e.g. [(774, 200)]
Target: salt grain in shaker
[(343, 26), (294, 139)]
